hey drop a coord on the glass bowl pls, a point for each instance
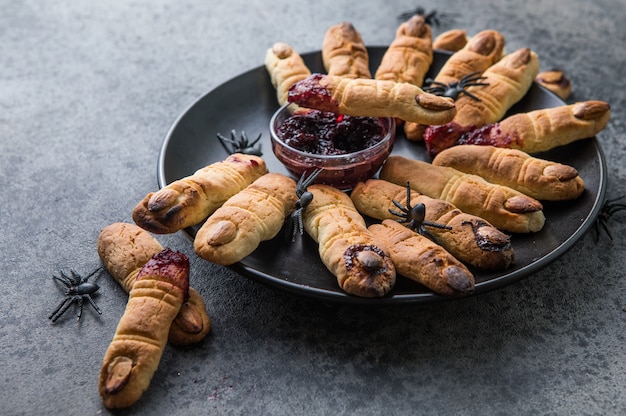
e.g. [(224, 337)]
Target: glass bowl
[(342, 171)]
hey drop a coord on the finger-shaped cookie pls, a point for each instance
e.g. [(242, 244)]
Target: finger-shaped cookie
[(124, 249), (469, 238), (134, 354), (410, 54), (344, 53), (482, 51), (544, 129), (371, 98), (539, 178), (188, 201), (358, 260), (419, 259), (249, 217), (505, 208), (285, 67), (507, 81), (451, 40)]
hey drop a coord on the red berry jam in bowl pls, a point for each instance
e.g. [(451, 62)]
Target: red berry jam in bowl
[(348, 149)]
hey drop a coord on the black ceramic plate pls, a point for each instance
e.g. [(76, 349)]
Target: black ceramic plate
[(248, 101)]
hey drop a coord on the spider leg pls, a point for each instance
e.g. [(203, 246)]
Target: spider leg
[(295, 218), (300, 187), (305, 181), (436, 225), (401, 207), (90, 299), (300, 222), (73, 277), (98, 270), (63, 279), (471, 80), (226, 139), (408, 14), (472, 76), (605, 227), (469, 94), (435, 90), (429, 235), (296, 225), (76, 278), (434, 87), (432, 18), (80, 307), (60, 310), (411, 225), (402, 217), (419, 228), (257, 139), (475, 84), (408, 196), (308, 181), (223, 140), (244, 139), (414, 226), (430, 82), (612, 209)]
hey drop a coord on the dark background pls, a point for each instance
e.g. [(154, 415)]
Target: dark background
[(88, 92)]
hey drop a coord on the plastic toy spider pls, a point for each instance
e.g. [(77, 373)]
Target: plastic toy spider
[(455, 89), (415, 216), (77, 289), (609, 208), (433, 18), (296, 225), (241, 144)]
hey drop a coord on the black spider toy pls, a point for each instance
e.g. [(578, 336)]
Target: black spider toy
[(415, 216), (241, 144), (433, 18), (455, 89), (609, 208), (77, 289), (296, 225)]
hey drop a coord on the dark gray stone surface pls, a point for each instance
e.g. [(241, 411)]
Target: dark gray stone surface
[(88, 91)]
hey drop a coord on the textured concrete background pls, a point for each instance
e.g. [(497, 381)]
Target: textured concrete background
[(88, 91)]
